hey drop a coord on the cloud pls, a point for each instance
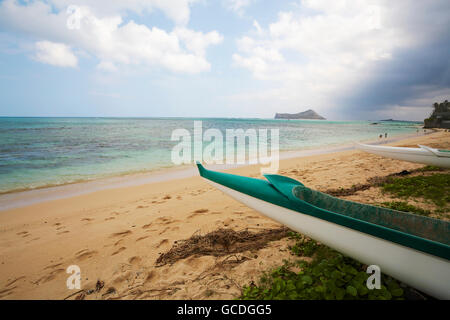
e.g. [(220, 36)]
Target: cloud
[(176, 10), (237, 6), (113, 41), (56, 54), (352, 55), (107, 66)]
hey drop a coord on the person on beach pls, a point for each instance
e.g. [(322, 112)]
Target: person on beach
[(381, 136), (385, 135)]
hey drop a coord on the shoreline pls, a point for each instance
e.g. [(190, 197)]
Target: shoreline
[(22, 198), (117, 235)]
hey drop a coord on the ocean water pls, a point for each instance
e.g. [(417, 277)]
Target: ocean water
[(41, 152)]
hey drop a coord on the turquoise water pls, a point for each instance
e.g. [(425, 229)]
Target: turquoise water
[(40, 152)]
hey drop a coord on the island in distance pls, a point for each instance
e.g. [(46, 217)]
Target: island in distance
[(308, 114)]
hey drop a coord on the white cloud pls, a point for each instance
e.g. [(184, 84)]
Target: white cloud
[(176, 10), (311, 59), (56, 54), (112, 40), (257, 27), (197, 42), (107, 66), (238, 6)]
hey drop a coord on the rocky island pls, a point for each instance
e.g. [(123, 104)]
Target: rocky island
[(308, 114)]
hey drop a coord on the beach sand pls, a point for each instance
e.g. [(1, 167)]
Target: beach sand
[(115, 236)]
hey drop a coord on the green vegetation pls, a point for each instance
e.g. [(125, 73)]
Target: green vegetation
[(430, 168), (405, 207), (439, 108), (329, 275), (435, 188), (441, 112)]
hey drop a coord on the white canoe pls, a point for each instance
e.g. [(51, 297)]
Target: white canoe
[(410, 248), (424, 154)]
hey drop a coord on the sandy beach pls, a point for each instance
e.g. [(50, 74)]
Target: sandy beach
[(115, 236)]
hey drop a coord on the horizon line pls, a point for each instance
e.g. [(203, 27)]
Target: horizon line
[(194, 117)]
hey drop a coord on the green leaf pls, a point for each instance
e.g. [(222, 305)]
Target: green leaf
[(362, 290), (352, 291), (307, 279), (397, 292)]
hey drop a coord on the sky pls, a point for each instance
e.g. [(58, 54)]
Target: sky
[(347, 60)]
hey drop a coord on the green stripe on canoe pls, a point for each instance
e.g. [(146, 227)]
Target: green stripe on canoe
[(291, 194), (441, 150), (424, 227)]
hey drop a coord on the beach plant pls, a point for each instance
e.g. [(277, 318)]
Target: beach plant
[(303, 246), (430, 168), (435, 188), (329, 275)]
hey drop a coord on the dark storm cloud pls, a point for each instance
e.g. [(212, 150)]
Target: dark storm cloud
[(411, 73)]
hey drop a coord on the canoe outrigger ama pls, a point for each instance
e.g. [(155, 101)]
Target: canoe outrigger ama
[(411, 248), (424, 154)]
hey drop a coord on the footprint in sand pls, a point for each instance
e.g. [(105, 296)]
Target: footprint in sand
[(23, 233), (87, 219), (141, 207), (164, 231), (151, 276), (123, 277), (121, 234), (201, 210), (162, 242), (63, 232), (227, 222), (85, 254), (198, 212), (14, 281), (148, 225), (165, 220), (141, 238), (6, 292), (118, 242), (194, 194), (52, 266), (134, 260), (50, 276), (119, 251), (110, 218)]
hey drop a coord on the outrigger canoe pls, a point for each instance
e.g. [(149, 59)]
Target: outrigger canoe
[(411, 248), (424, 154)]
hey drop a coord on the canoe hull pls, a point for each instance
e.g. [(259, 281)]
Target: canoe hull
[(420, 270), (417, 155)]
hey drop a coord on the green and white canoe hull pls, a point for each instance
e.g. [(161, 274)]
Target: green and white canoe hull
[(425, 271), (424, 154)]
